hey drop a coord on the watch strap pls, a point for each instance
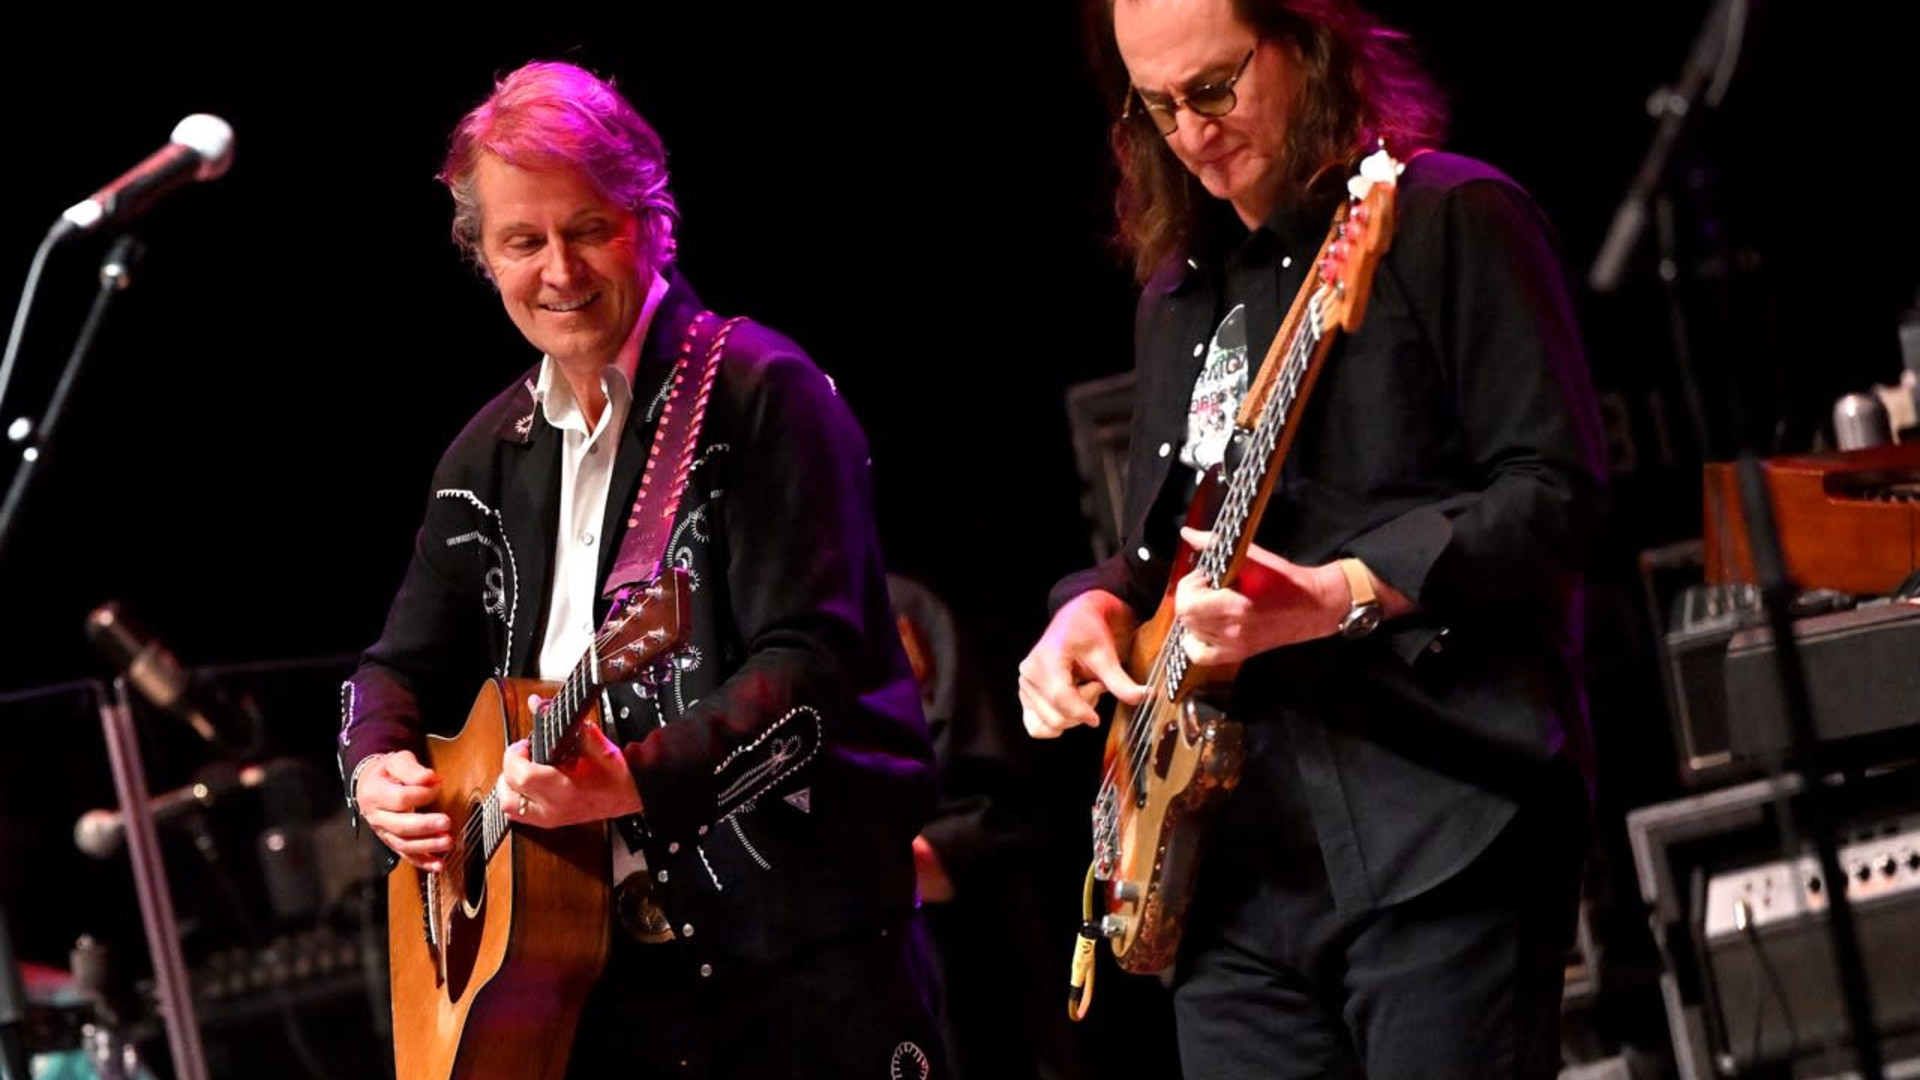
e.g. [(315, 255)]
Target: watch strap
[(1359, 582)]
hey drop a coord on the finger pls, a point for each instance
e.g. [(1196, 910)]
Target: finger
[(1196, 649), (435, 830), (376, 792), (1105, 667), (1043, 680), (420, 854), (1197, 539), (1188, 594), (404, 768), (1041, 718), (431, 866), (595, 741)]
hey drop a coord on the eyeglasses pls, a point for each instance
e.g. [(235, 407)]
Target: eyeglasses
[(1207, 99)]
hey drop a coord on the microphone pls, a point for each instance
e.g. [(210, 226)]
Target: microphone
[(100, 833), (149, 667), (201, 149)]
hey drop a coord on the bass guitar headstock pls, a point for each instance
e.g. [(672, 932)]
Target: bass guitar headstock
[(1366, 231)]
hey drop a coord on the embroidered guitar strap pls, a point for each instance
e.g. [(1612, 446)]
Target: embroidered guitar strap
[(638, 563), (670, 459)]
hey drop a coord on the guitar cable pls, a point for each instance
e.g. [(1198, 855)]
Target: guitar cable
[(1080, 982), (1743, 922)]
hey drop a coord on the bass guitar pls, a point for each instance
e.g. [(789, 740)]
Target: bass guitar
[(1171, 760)]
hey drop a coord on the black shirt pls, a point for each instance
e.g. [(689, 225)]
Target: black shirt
[(1453, 445)]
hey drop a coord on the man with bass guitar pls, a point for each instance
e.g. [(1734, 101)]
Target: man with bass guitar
[(1396, 818)]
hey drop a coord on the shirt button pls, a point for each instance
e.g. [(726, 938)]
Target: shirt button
[(593, 448), (587, 539), (1286, 261), (673, 848), (624, 712), (686, 930), (661, 876), (703, 830), (1165, 449), (1199, 347), (1144, 553), (706, 971)]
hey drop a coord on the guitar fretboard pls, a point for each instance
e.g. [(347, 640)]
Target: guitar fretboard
[(551, 741), (1248, 476)]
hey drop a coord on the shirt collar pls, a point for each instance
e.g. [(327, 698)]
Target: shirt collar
[(1221, 234), (554, 396)]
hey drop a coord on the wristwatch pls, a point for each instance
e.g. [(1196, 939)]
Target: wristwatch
[(1363, 614)]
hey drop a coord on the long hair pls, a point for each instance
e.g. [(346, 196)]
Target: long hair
[(551, 115), (1360, 85)]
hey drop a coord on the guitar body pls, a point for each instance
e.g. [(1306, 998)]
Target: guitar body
[(492, 959), (1174, 760)]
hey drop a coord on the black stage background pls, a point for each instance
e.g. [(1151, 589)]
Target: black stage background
[(919, 199)]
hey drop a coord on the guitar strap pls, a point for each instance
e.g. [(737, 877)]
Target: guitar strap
[(670, 459), (649, 524)]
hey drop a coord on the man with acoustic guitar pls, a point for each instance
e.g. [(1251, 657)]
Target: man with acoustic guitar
[(1392, 819), (697, 734)]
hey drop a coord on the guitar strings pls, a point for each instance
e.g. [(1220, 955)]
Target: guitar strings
[(1214, 559), (553, 719), (1241, 492)]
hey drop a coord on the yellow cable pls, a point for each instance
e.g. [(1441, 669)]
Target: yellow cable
[(1080, 982)]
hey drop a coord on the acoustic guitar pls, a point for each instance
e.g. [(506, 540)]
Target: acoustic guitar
[(492, 957)]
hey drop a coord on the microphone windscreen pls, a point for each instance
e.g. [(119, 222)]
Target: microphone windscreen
[(211, 138)]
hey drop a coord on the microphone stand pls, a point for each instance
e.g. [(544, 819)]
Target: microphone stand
[(115, 275), (1809, 760), (174, 995), (1715, 50)]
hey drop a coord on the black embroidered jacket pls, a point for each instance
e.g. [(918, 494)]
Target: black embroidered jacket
[(785, 765)]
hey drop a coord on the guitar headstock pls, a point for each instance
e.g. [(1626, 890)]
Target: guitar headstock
[(645, 624), (1366, 231)]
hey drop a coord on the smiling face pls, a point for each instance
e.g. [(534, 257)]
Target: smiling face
[(568, 263), (1171, 47)]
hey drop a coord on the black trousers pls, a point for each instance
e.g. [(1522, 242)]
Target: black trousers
[(1462, 981), (860, 1005)]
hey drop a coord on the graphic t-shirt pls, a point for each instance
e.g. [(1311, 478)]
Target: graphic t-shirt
[(1217, 393)]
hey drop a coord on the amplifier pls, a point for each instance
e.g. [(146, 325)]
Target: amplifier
[(1860, 674), (1703, 620), (1769, 954)]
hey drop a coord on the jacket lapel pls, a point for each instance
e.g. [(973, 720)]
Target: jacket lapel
[(530, 513)]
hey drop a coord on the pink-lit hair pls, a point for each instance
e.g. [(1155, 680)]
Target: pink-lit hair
[(553, 115)]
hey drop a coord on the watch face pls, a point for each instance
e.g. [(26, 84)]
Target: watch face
[(1360, 621)]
